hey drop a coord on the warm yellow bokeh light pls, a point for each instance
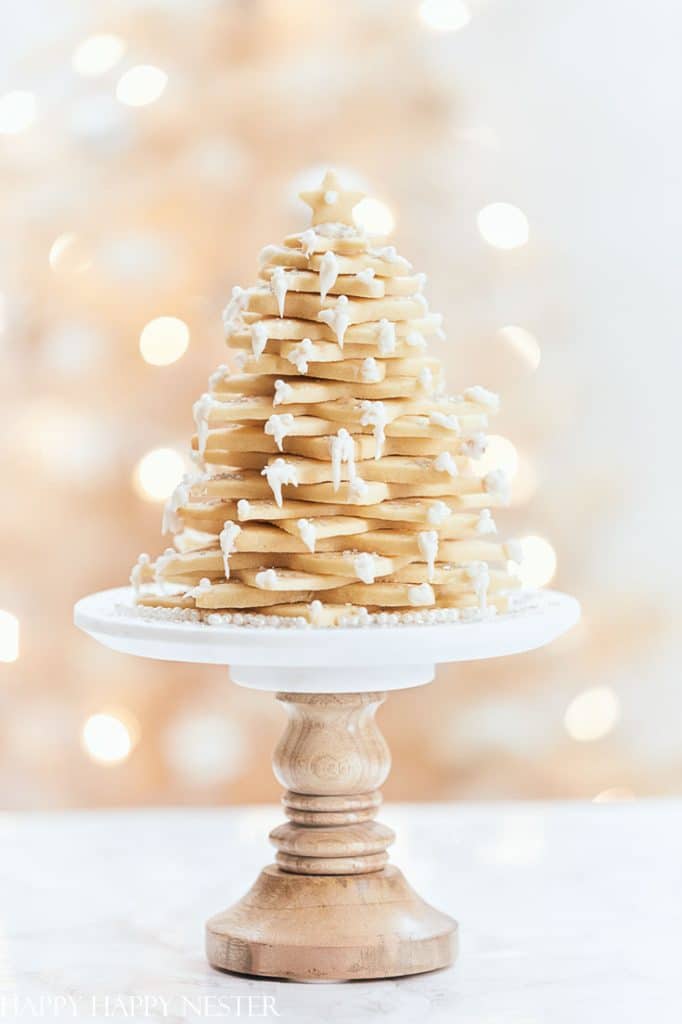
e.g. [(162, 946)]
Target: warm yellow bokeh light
[(164, 340), (109, 738), (158, 473), (17, 111), (141, 85), (444, 15), (525, 481), (9, 636), (500, 453), (67, 254), (97, 54), (374, 217), (539, 562), (503, 226), (592, 714), (523, 343)]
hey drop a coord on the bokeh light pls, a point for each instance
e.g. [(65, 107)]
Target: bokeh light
[(525, 482), (523, 343), (444, 15), (374, 217), (109, 737), (67, 254), (592, 714), (500, 453), (9, 636), (503, 226), (164, 340), (141, 85), (205, 748), (17, 111), (158, 473), (97, 54), (539, 562)]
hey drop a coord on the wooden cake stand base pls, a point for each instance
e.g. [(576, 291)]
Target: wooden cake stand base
[(331, 908)]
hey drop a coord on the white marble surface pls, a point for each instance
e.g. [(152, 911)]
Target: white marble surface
[(569, 914)]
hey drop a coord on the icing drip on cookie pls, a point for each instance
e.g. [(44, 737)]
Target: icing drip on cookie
[(307, 533), (479, 574), (138, 573), (445, 463), (227, 538), (416, 340), (329, 271), (342, 449), (301, 354), (483, 397), (369, 371), (259, 338), (235, 307), (440, 419), (243, 508), (438, 512), (337, 318), (428, 548), (218, 376), (421, 595), (365, 276), (202, 588), (308, 242), (426, 379), (201, 410), (374, 414), (386, 340), (357, 490), (486, 523), (278, 427), (364, 568), (266, 579), (496, 484), (283, 392), (279, 287), (279, 473), (171, 522)]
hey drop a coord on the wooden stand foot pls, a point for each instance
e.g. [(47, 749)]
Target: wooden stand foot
[(331, 908)]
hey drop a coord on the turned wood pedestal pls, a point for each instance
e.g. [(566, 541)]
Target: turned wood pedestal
[(331, 907)]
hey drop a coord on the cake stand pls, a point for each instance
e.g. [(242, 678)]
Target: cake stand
[(331, 907)]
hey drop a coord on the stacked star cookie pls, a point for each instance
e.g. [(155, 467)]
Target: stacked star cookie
[(336, 480)]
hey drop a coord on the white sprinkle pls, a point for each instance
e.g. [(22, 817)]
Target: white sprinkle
[(486, 523), (278, 426), (421, 595), (369, 371), (307, 533), (266, 579), (279, 473), (364, 567), (259, 338), (428, 547), (283, 392), (438, 512), (445, 463), (329, 271), (301, 354), (440, 419), (279, 288), (483, 397), (386, 338), (227, 537)]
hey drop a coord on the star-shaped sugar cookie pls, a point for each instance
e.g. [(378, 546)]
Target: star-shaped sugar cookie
[(331, 203)]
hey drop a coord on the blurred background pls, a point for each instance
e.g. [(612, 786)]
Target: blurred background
[(527, 155)]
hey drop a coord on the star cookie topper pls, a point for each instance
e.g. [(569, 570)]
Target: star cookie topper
[(331, 203)]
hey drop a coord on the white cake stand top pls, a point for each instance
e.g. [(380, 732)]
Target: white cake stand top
[(332, 660)]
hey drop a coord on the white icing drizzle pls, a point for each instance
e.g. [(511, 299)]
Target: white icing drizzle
[(201, 411), (308, 242), (259, 338), (160, 566), (342, 449), (440, 419), (486, 523), (240, 360), (365, 276), (337, 318), (227, 537), (243, 507), (236, 306), (335, 229), (514, 549), (329, 271), (496, 483), (420, 299), (278, 426), (171, 522), (202, 588), (386, 339), (438, 512), (279, 288), (475, 445), (388, 253), (479, 574), (374, 414), (307, 533), (416, 340), (266, 254), (421, 595), (300, 355), (283, 392), (315, 609), (428, 547), (364, 567), (445, 463), (218, 376), (357, 490), (266, 579), (277, 474), (483, 397), (426, 379), (369, 371), (138, 572)]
